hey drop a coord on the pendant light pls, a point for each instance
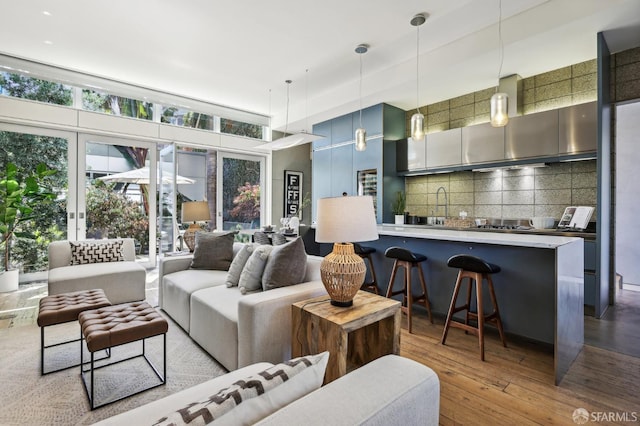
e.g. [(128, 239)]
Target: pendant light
[(288, 141), (417, 119), (361, 133), (500, 100)]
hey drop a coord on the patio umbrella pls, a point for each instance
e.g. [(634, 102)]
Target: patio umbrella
[(141, 177)]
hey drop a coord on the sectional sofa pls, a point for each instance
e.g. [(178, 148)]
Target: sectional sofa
[(236, 329), (387, 391)]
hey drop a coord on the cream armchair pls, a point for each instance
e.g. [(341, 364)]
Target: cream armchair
[(121, 281)]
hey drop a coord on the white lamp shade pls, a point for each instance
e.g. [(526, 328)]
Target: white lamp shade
[(361, 139), (417, 127), (194, 211), (346, 220), (499, 109)]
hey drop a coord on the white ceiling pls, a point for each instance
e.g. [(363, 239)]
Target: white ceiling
[(239, 52)]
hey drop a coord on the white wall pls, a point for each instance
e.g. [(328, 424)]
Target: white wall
[(627, 198)]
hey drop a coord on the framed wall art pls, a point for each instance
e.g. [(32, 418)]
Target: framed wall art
[(292, 192)]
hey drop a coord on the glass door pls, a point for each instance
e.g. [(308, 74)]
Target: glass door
[(119, 192), (239, 200), (170, 236), (26, 147)]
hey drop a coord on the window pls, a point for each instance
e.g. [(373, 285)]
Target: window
[(240, 129), (35, 89), (116, 105), (186, 118)]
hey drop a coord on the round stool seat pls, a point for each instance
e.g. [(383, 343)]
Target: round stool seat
[(404, 254), (363, 250), (472, 263)]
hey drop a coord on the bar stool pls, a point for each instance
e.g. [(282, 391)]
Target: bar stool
[(365, 253), (476, 270), (407, 260)]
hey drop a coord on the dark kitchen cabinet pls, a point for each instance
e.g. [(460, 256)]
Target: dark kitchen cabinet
[(342, 170), (336, 163)]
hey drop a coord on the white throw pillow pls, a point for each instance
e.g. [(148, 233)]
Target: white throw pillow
[(254, 398), (251, 276), (237, 265)]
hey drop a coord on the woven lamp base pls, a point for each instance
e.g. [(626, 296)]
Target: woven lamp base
[(342, 273), (189, 236)]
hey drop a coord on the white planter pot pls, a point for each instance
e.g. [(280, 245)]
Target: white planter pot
[(9, 280), (399, 219)]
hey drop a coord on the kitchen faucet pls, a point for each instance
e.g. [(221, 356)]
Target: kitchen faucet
[(446, 203)]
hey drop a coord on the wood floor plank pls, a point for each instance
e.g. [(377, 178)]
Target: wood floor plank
[(515, 385)]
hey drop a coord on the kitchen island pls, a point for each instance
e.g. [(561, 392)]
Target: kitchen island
[(539, 290)]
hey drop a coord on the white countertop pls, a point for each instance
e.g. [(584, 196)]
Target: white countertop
[(432, 233)]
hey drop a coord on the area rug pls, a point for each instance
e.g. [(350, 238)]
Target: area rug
[(27, 398)]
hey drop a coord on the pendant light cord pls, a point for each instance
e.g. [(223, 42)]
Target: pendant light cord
[(360, 55), (418, 68), (501, 42), (306, 102), (286, 124)]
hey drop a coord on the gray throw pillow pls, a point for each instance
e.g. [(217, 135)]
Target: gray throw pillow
[(214, 250), (287, 265), (251, 276), (237, 265)]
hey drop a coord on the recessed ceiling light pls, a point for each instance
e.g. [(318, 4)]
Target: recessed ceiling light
[(44, 12), (49, 42)]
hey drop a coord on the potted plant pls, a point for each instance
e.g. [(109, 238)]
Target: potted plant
[(20, 196), (398, 207)]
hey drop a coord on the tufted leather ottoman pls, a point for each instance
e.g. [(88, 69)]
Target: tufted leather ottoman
[(62, 308), (116, 325)]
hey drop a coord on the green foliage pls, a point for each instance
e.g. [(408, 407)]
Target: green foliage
[(26, 151), (399, 204), (21, 196), (111, 214), (241, 129), (236, 173), (24, 87), (116, 105), (196, 120)]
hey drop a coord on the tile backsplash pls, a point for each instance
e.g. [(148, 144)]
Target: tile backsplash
[(509, 194)]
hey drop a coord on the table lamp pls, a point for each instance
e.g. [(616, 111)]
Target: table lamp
[(194, 211), (343, 221)]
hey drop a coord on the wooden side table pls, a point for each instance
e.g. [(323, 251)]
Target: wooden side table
[(353, 336)]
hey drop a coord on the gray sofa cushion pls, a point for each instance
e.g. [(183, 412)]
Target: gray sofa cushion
[(251, 276), (214, 250), (286, 266), (214, 323), (240, 259), (391, 390), (178, 287)]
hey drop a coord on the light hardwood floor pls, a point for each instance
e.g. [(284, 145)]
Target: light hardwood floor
[(514, 386)]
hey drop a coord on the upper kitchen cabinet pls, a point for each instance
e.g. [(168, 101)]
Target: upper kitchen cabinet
[(322, 129), (370, 157), (371, 121), (336, 163), (533, 135), (342, 170), (482, 144), (578, 126), (342, 129), (444, 148)]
